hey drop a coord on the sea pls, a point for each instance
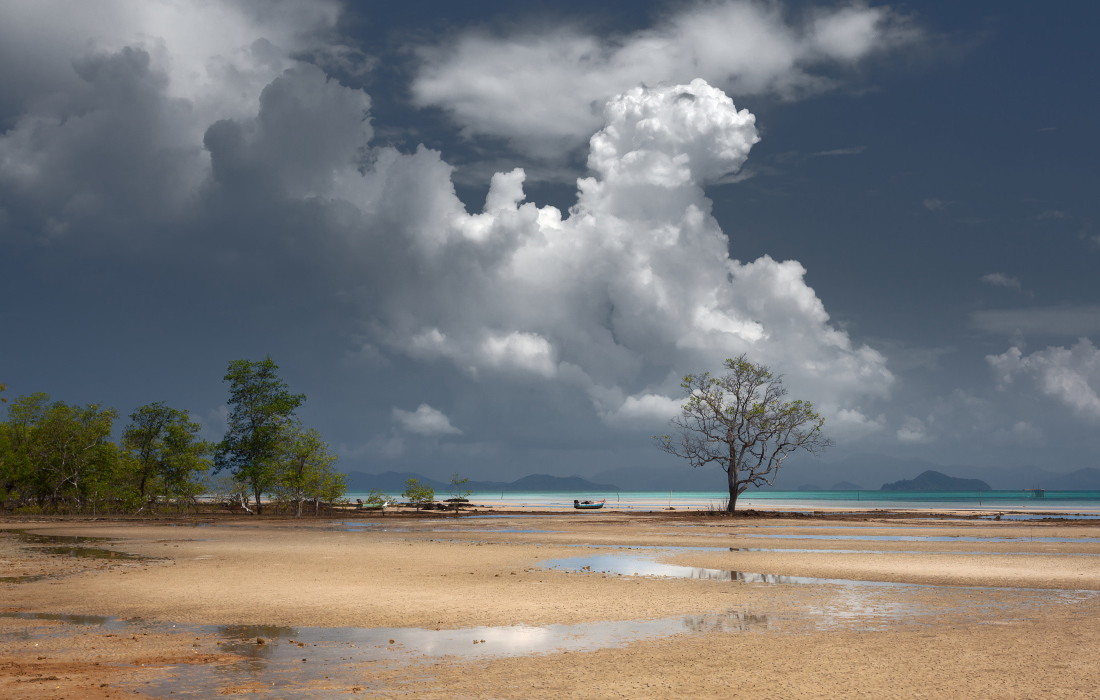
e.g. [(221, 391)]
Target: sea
[(1068, 502)]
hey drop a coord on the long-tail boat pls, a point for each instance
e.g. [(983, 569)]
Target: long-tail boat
[(588, 505)]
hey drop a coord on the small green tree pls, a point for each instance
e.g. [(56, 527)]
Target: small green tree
[(261, 405), (305, 464), (459, 492), (327, 486), (418, 494), (377, 498)]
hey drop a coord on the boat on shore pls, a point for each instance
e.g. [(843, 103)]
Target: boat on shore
[(588, 505)]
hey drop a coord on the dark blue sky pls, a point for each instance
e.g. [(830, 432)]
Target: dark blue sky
[(932, 170)]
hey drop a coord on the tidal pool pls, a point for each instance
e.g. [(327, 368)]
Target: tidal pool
[(69, 546), (625, 565), (306, 662)]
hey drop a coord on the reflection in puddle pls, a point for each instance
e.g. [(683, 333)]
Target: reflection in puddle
[(69, 546), (89, 552), (83, 620), (274, 660), (805, 550), (32, 538), (625, 565)]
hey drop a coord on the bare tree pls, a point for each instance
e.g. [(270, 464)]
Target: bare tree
[(740, 422)]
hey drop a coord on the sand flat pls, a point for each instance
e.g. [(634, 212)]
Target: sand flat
[(1034, 632)]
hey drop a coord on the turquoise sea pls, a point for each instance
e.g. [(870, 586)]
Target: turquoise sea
[(1049, 501)]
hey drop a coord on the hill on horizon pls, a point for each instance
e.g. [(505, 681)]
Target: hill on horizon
[(936, 481), (1087, 479), (395, 481)]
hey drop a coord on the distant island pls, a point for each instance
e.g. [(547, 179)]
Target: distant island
[(937, 481), (395, 481)]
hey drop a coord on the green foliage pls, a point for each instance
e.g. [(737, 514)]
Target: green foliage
[(304, 469), (56, 456), (459, 492), (419, 494), (260, 405), (169, 457), (376, 498)]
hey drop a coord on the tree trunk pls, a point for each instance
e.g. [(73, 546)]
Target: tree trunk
[(732, 479), (259, 504)]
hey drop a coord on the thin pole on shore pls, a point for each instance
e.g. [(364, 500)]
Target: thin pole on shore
[(670, 499)]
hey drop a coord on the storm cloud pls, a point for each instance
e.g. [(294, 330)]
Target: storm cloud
[(186, 183)]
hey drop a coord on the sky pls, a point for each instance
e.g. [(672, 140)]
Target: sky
[(492, 237)]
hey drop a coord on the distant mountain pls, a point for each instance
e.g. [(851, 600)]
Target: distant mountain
[(846, 486), (395, 482), (936, 481), (1087, 479), (859, 468), (870, 468)]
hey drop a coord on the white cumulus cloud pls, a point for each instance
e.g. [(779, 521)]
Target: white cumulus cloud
[(425, 420), (1069, 375), (913, 430), (544, 90)]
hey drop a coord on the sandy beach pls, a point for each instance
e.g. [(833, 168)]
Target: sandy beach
[(570, 605)]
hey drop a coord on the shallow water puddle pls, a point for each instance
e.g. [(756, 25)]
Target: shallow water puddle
[(70, 546), (303, 662), (868, 605), (355, 527), (626, 565), (917, 538), (1040, 516)]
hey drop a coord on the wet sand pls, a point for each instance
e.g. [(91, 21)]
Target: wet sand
[(1002, 609)]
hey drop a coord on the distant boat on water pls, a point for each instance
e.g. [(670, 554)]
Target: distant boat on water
[(588, 505)]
